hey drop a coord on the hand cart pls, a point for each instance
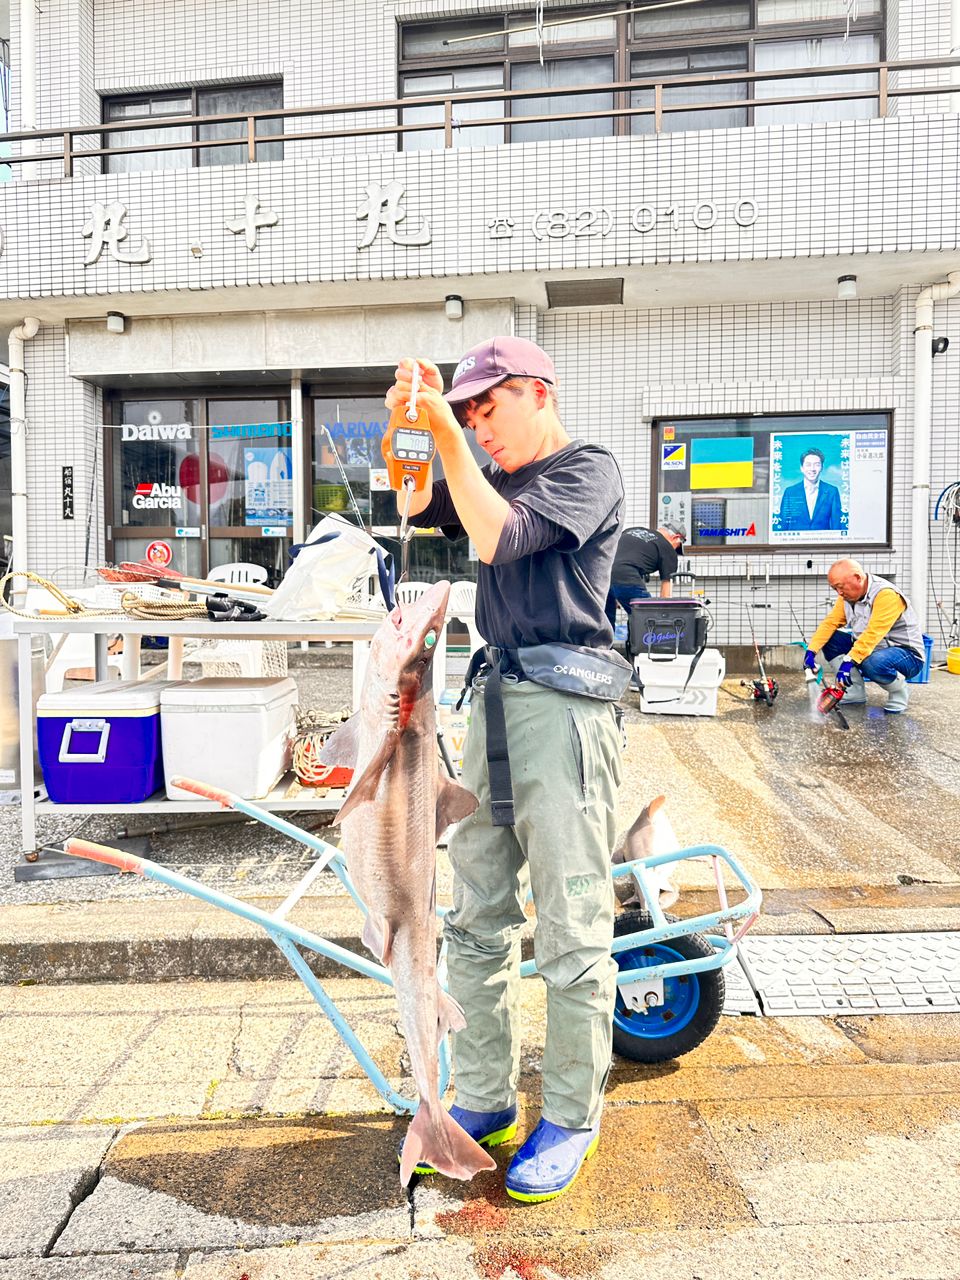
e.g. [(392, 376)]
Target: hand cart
[(670, 987)]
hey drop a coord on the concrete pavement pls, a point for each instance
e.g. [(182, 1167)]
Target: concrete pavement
[(219, 1129), (155, 1125)]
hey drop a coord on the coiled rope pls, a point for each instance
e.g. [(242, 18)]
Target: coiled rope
[(131, 604)]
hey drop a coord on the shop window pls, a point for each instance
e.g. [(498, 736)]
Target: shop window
[(190, 102), (613, 44), (349, 479), (750, 483)]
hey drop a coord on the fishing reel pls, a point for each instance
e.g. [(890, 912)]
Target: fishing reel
[(762, 690)]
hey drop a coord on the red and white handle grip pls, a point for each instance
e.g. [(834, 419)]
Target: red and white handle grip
[(225, 798), (103, 853)]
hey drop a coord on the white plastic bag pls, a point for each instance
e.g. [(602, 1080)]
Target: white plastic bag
[(330, 566)]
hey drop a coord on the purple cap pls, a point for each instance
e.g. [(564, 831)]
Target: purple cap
[(493, 361)]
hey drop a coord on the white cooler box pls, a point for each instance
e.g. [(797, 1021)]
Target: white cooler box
[(230, 732), (662, 684)]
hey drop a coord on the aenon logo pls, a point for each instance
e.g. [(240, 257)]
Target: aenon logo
[(742, 532), (157, 497)]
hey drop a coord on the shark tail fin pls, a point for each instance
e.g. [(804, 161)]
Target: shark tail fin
[(435, 1138)]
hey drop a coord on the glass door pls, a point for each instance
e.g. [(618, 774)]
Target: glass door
[(250, 483), (155, 461), (200, 482)]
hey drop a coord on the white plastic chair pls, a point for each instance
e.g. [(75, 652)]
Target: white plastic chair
[(226, 657), (239, 573), (70, 650), (463, 606)]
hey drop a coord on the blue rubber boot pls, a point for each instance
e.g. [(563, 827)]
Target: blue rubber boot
[(549, 1161), (488, 1128)]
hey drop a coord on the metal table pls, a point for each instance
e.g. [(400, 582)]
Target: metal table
[(357, 633)]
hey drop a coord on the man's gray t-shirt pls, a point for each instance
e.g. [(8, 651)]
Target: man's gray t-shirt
[(570, 505)]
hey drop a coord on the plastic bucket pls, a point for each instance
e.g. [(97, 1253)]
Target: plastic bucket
[(953, 661)]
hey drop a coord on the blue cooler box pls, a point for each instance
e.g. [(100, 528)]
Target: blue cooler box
[(100, 744)]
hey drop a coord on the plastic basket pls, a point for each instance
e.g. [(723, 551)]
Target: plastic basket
[(330, 497)]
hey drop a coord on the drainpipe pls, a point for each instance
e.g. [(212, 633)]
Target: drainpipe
[(18, 449), (922, 415), (955, 51)]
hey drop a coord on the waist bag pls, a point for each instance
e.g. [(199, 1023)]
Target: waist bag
[(567, 668)]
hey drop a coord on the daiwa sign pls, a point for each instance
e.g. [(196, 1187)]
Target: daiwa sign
[(156, 431)]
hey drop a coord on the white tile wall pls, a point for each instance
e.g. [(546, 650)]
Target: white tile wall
[(861, 187)]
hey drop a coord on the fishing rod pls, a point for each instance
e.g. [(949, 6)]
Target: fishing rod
[(830, 695), (766, 688)]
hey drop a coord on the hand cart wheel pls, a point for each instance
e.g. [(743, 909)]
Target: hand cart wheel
[(691, 1006)]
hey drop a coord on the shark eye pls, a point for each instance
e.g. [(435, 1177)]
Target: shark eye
[(430, 639)]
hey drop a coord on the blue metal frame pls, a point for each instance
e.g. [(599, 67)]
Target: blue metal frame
[(289, 937)]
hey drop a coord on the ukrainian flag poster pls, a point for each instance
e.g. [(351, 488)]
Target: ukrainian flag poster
[(721, 462)]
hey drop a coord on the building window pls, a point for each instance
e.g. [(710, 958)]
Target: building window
[(217, 100), (749, 483), (612, 44)]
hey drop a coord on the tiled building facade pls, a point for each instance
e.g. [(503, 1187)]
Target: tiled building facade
[(729, 243)]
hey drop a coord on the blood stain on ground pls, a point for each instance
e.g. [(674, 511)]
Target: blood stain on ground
[(475, 1218), (480, 1219)]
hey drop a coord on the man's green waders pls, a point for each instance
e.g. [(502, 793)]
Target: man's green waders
[(565, 764)]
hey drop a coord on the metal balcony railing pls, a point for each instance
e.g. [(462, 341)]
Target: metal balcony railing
[(248, 137)]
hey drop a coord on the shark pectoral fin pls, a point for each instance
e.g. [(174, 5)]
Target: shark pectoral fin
[(365, 787), (450, 1017), (453, 803), (342, 745), (377, 937)]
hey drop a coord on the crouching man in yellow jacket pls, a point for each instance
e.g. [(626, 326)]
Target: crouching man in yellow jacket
[(880, 636)]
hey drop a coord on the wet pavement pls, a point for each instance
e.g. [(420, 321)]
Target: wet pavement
[(218, 1130), (805, 804)]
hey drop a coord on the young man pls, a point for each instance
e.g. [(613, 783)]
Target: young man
[(883, 639), (544, 517), (642, 552)]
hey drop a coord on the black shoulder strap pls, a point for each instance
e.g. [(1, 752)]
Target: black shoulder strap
[(498, 759)]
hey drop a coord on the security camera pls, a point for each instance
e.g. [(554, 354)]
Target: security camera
[(940, 345)]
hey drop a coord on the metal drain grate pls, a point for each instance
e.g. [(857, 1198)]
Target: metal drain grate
[(854, 973)]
